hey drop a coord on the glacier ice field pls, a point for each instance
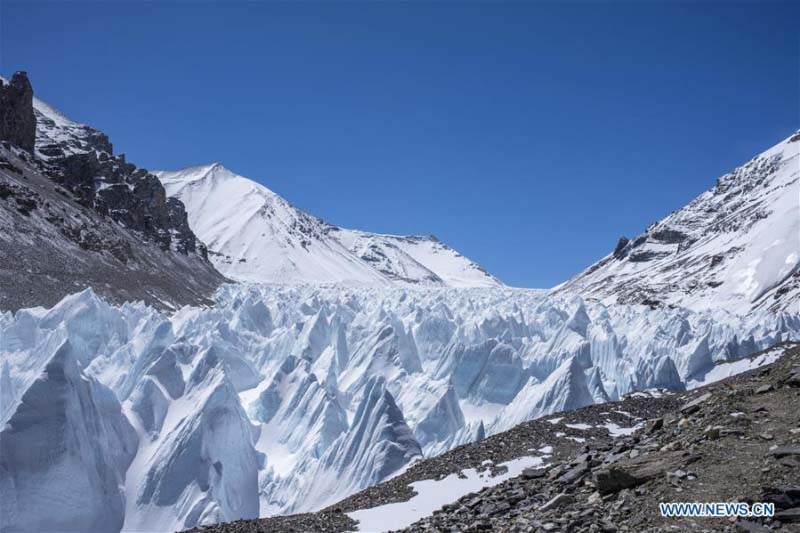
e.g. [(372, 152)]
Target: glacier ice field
[(284, 399)]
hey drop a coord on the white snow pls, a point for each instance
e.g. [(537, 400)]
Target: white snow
[(581, 426), (741, 245), (433, 494), (726, 369), (617, 431), (255, 235), (52, 127)]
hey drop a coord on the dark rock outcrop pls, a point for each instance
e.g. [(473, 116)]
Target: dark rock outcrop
[(669, 236), (81, 160), (74, 215), (621, 249), (17, 121), (129, 195)]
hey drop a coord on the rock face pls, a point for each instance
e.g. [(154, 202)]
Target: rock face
[(17, 121), (619, 250), (75, 215), (82, 161), (129, 195)]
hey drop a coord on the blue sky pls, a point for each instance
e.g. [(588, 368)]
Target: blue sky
[(529, 136)]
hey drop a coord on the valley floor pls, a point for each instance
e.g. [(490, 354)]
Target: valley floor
[(737, 440)]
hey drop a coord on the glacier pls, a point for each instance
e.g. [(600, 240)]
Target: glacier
[(287, 398)]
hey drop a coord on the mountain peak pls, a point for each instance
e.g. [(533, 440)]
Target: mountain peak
[(217, 169), (255, 235)]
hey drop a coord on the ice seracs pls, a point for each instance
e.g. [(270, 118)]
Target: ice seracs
[(64, 452), (564, 389), (255, 235), (286, 398), (378, 444), (198, 464)]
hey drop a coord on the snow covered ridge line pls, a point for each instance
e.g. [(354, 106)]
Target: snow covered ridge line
[(735, 246), (254, 235), (288, 398)]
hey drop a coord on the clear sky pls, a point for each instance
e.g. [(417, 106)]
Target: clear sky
[(529, 136)]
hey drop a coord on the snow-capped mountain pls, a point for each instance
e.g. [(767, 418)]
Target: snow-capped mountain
[(286, 398), (735, 246), (361, 354), (255, 235)]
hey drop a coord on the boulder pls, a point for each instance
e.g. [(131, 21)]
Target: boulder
[(783, 496), (631, 473), (557, 501), (789, 515), (694, 405), (785, 451), (654, 425)]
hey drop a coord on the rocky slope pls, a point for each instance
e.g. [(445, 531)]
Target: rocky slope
[(735, 246), (609, 466), (255, 235), (74, 215)]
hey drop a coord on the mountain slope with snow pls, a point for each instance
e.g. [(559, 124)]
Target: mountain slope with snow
[(255, 235), (735, 246)]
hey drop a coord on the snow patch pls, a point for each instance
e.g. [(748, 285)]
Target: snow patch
[(433, 494)]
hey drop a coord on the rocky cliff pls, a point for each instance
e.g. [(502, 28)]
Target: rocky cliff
[(17, 121), (76, 215)]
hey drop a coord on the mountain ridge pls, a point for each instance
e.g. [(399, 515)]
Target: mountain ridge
[(736, 245), (75, 215), (257, 236), (355, 357)]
